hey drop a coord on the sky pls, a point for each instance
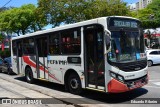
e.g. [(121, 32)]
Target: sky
[(18, 3)]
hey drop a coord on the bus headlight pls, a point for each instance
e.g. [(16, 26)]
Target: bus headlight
[(117, 76), (120, 78), (113, 74)]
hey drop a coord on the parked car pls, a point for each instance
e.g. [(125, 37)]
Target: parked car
[(153, 56), (5, 65)]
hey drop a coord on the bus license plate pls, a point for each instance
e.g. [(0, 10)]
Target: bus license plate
[(138, 83)]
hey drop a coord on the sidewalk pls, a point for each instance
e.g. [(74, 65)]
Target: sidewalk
[(62, 96)]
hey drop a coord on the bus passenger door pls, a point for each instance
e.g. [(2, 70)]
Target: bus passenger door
[(41, 58), (94, 57), (19, 57), (15, 57)]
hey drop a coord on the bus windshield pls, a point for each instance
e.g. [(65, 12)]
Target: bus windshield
[(126, 46)]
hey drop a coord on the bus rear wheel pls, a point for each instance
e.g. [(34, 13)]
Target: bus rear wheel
[(74, 84), (9, 71), (29, 75)]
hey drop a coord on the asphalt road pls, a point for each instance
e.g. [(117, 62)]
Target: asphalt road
[(149, 91)]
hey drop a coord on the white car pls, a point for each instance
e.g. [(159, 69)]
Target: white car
[(153, 56)]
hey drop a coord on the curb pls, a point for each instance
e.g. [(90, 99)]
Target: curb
[(67, 98)]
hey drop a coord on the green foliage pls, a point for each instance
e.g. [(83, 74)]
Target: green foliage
[(20, 20), (70, 11), (144, 14), (1, 36), (154, 6), (149, 16), (28, 18), (5, 53)]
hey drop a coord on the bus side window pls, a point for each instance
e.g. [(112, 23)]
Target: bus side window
[(28, 45), (14, 48), (54, 44), (71, 41)]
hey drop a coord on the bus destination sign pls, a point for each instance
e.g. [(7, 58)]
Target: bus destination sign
[(123, 23), (120, 22)]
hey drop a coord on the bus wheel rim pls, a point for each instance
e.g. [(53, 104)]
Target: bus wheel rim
[(74, 83), (29, 76)]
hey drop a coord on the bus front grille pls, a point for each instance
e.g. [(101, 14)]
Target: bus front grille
[(133, 66)]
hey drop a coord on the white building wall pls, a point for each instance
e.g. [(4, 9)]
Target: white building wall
[(141, 4)]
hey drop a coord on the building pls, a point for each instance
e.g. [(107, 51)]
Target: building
[(152, 42), (144, 3), (133, 7), (137, 6), (5, 43), (140, 5)]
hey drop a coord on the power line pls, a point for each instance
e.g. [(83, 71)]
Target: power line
[(6, 3)]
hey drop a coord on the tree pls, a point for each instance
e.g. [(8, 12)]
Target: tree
[(20, 20), (39, 20), (3, 9), (71, 11), (149, 16), (2, 36), (148, 21), (154, 6), (4, 21)]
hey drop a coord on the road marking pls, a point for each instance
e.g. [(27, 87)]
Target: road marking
[(157, 83), (152, 86), (155, 80)]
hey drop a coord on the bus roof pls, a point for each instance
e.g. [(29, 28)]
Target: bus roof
[(63, 27)]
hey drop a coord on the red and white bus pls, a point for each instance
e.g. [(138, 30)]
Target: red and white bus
[(104, 54)]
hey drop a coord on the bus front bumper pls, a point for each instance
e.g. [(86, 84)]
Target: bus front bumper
[(115, 86)]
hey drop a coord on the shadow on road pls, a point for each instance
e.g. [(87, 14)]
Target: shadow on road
[(94, 95), (44, 84), (115, 98), (155, 65)]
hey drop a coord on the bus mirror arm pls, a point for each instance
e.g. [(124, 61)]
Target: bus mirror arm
[(107, 35)]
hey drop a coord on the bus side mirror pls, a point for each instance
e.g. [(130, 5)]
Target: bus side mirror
[(107, 35)]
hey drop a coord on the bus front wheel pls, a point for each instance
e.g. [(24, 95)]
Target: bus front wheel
[(29, 75), (74, 84)]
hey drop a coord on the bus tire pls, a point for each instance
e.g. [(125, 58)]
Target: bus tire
[(74, 84), (9, 71), (29, 75)]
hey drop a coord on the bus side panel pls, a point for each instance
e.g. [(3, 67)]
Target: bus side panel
[(20, 65), (14, 64), (14, 56), (58, 66), (27, 61), (41, 68), (55, 68), (46, 69)]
